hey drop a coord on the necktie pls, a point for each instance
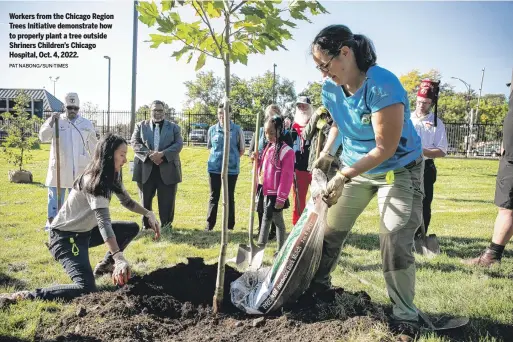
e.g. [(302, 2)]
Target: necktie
[(156, 137)]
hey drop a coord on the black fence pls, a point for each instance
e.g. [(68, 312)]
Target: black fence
[(464, 140)]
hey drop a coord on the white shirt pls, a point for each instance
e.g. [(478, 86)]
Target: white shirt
[(431, 136)]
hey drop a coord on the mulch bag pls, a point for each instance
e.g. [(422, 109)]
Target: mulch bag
[(268, 289)]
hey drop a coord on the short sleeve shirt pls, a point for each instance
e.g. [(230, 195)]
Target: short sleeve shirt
[(353, 114)]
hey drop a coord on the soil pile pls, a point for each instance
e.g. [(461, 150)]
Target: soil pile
[(174, 304)]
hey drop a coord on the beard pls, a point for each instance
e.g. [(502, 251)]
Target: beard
[(302, 117)]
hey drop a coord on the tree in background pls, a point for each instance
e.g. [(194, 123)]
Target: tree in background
[(313, 90), (20, 138), (228, 31), (247, 96)]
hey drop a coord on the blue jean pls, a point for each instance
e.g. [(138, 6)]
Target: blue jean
[(75, 259), (52, 200)]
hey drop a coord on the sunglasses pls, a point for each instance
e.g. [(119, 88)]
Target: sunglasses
[(72, 108)]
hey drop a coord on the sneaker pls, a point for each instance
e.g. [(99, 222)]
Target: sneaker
[(103, 267), (486, 259), (404, 330), (208, 227)]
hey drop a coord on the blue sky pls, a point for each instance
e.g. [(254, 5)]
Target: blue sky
[(457, 38)]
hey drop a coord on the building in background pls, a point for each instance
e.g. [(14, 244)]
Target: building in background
[(42, 103)]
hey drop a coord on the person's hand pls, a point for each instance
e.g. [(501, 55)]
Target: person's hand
[(334, 189), (121, 272), (252, 156), (54, 117), (156, 157), (154, 223), (323, 162), (279, 205)]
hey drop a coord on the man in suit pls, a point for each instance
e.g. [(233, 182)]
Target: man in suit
[(157, 143)]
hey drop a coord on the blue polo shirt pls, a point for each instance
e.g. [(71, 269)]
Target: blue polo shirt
[(215, 141), (352, 115)]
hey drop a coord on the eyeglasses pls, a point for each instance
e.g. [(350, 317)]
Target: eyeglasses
[(157, 110), (326, 66), (72, 108)]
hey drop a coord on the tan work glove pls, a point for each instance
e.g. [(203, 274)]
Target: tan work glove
[(121, 272), (323, 162), (335, 188)]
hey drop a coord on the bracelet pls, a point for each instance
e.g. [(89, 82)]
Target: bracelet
[(116, 252)]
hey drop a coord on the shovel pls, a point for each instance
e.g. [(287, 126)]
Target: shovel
[(443, 323), (427, 245), (58, 160), (252, 254)]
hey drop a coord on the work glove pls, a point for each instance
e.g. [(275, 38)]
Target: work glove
[(321, 113), (154, 224), (323, 162), (334, 189), (121, 272)]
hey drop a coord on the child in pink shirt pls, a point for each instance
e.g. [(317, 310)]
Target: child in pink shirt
[(277, 171)]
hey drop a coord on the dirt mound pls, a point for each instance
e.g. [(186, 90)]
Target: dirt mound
[(174, 304)]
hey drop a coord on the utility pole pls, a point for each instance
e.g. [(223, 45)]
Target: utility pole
[(274, 82), (134, 67), (470, 114), (54, 81), (108, 97), (479, 97)]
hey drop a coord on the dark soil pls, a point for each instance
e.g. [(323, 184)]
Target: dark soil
[(175, 304)]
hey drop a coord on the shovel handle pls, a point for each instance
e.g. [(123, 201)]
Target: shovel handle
[(58, 160)]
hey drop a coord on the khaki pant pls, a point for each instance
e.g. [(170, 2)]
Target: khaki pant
[(400, 209)]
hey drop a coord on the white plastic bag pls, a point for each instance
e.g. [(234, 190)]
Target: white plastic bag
[(268, 289)]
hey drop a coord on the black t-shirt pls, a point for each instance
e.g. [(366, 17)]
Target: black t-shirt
[(507, 131), (302, 152)]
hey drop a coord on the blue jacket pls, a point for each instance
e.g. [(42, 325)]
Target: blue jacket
[(215, 142)]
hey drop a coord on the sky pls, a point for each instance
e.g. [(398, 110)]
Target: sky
[(457, 38)]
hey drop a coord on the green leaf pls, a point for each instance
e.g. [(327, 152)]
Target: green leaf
[(190, 57), (166, 25), (211, 10), (249, 11), (148, 12), (167, 5), (158, 39), (201, 61), (178, 54)]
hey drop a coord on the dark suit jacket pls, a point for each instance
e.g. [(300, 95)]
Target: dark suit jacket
[(171, 144)]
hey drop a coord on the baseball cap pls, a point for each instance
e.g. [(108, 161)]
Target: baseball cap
[(71, 100), (303, 99)]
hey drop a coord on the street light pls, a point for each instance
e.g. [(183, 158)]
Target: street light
[(470, 114), (108, 99), (274, 82), (54, 81)]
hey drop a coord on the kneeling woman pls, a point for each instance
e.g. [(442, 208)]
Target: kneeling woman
[(84, 222)]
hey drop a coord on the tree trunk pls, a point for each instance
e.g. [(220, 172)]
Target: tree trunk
[(219, 291)]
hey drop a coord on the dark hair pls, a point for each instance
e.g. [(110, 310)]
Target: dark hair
[(157, 102), (332, 38), (221, 106), (277, 122), (103, 176)]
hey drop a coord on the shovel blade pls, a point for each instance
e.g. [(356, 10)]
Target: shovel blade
[(448, 323), (428, 246), (253, 257)]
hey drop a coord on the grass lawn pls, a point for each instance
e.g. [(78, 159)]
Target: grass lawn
[(463, 217)]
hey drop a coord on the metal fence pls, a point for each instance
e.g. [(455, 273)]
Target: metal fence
[(464, 140)]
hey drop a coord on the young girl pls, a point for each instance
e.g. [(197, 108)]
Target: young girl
[(277, 170), (84, 222)]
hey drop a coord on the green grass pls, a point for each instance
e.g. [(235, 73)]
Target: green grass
[(463, 217)]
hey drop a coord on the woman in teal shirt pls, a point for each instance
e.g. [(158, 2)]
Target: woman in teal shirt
[(382, 155), (215, 141)]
